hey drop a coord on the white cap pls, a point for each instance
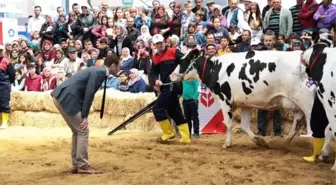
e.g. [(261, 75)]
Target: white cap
[(255, 41), (85, 5), (2, 47), (157, 38)]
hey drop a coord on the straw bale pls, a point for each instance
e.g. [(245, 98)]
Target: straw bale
[(27, 101), (122, 103), (36, 119)]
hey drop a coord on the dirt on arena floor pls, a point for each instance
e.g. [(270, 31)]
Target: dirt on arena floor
[(33, 156)]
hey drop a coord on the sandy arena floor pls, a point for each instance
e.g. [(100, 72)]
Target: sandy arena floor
[(33, 156)]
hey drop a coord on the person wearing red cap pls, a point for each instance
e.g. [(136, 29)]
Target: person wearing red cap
[(7, 77)]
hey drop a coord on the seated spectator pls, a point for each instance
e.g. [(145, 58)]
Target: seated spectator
[(103, 48), (281, 39), (188, 17), (39, 65), (86, 57), (199, 36), (33, 81), (142, 19), (47, 52), (112, 82), (110, 28), (57, 62), (120, 40), (200, 24), (255, 21), (82, 66), (60, 76), (211, 50), (145, 35), (123, 81), (36, 40), (22, 63), (225, 46), (233, 34), (325, 14), (306, 37), (100, 31), (79, 47), (126, 60), (245, 44), (142, 59), (19, 82), (93, 57), (14, 55), (47, 31), (293, 38), (48, 79), (72, 66), (218, 31), (60, 31), (136, 84)]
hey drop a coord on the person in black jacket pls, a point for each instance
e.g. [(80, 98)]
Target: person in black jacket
[(121, 40), (7, 77), (165, 60), (73, 98)]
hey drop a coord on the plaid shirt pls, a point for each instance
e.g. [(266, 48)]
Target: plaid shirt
[(186, 20)]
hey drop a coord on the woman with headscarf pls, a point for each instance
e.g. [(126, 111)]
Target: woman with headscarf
[(47, 52), (48, 80), (60, 32), (126, 60), (47, 31), (79, 48), (120, 40), (145, 35), (136, 84), (58, 61), (60, 76)]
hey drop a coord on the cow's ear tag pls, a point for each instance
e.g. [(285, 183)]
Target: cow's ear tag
[(309, 84)]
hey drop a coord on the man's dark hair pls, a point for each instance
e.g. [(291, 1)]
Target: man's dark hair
[(109, 60), (103, 41), (39, 7), (75, 4)]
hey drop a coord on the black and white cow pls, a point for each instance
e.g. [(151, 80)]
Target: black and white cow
[(320, 59), (266, 80)]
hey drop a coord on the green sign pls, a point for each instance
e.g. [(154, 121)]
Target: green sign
[(127, 2)]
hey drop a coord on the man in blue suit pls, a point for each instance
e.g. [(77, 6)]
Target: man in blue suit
[(73, 98)]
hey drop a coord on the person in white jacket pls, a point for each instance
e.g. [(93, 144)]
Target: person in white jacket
[(19, 82)]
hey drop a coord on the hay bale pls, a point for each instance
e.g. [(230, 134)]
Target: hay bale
[(119, 103), (36, 119), (48, 103), (27, 101)]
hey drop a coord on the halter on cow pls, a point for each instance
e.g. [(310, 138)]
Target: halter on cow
[(251, 80)]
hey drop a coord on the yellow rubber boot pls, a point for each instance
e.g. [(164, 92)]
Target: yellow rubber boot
[(4, 120), (185, 134), (168, 132), (317, 145)]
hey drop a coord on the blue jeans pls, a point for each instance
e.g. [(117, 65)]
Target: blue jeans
[(262, 122)]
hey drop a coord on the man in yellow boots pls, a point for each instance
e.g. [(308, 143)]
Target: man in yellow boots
[(165, 60), (7, 77)]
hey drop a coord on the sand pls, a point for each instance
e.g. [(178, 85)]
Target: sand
[(34, 156)]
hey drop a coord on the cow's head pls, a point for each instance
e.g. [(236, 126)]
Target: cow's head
[(194, 62)]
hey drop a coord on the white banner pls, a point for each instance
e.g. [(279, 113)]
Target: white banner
[(9, 30), (210, 114)]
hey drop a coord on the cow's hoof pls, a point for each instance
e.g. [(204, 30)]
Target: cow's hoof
[(260, 142), (324, 158), (226, 145)]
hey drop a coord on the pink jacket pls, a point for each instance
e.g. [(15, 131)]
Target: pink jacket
[(99, 31)]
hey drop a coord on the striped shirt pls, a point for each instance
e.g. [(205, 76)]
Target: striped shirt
[(274, 22), (296, 22)]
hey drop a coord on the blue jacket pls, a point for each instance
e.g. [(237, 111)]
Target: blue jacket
[(127, 65), (139, 86), (112, 82)]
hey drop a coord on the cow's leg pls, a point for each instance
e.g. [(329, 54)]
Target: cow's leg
[(325, 150), (227, 114), (246, 115), (297, 122)]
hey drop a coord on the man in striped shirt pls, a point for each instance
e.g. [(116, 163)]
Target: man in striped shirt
[(279, 19), (295, 12)]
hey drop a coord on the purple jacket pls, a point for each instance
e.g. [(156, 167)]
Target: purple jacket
[(330, 11)]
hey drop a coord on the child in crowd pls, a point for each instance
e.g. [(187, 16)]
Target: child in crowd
[(225, 46), (36, 40), (190, 94), (19, 81), (123, 78), (281, 41)]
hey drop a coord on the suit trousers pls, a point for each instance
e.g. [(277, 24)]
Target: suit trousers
[(80, 138)]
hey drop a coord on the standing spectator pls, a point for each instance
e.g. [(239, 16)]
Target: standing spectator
[(200, 24), (60, 12), (8, 49), (234, 15), (72, 66), (325, 14), (105, 9), (70, 27), (35, 23), (33, 81), (120, 40), (7, 77), (133, 12), (75, 9), (295, 15), (199, 6), (247, 12), (19, 82), (160, 23), (246, 40), (188, 17), (306, 15), (132, 32), (211, 50), (279, 19), (136, 84), (60, 31), (266, 8), (99, 16), (170, 10), (47, 31), (126, 60), (142, 19), (85, 23), (175, 24), (255, 22), (48, 80), (156, 5), (110, 28), (211, 5), (145, 35), (118, 18)]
